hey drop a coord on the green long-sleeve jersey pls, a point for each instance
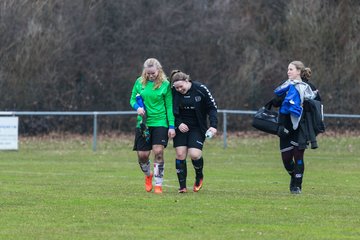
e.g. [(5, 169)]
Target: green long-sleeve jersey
[(158, 103)]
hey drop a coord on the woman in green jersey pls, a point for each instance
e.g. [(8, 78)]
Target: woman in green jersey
[(152, 99)]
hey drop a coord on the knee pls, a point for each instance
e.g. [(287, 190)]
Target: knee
[(195, 156), (143, 156), (158, 153), (181, 156), (181, 152)]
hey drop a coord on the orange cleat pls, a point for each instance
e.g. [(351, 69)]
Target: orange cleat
[(158, 189), (148, 182), (198, 184)]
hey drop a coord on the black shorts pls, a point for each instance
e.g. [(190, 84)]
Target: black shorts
[(192, 139), (289, 142), (158, 136)]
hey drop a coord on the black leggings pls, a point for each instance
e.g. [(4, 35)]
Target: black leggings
[(293, 161)]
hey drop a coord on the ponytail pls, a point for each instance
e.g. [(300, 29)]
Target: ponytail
[(306, 73)]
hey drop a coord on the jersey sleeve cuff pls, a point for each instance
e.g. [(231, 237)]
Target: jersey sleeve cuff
[(136, 106)]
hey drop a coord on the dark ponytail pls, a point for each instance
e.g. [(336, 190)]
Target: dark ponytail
[(306, 74)]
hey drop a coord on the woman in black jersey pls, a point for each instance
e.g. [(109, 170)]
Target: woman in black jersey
[(193, 103)]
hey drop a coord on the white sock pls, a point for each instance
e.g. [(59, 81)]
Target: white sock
[(159, 173)]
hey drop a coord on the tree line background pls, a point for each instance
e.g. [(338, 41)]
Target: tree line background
[(84, 55)]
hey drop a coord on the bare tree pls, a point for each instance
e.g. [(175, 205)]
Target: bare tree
[(85, 55)]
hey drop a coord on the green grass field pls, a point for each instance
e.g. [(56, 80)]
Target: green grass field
[(58, 188)]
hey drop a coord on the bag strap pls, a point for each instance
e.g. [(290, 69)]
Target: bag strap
[(268, 105)]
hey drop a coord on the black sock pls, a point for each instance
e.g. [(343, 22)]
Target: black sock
[(299, 167), (181, 171), (298, 173), (198, 166)]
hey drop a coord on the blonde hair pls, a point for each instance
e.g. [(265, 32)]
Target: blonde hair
[(177, 75), (305, 72), (161, 77)]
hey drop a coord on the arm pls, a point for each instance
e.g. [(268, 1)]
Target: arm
[(133, 100), (211, 107), (318, 97), (280, 94), (169, 112), (211, 110), (134, 92), (169, 107), (277, 100), (177, 116)]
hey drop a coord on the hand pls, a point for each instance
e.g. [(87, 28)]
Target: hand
[(282, 131), (171, 133), (140, 111), (213, 130), (183, 128)]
